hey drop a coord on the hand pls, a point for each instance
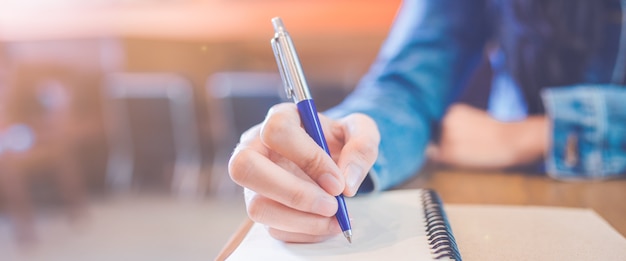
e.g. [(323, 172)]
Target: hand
[(290, 182), (472, 138)]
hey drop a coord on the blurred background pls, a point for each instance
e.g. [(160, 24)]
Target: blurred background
[(117, 117)]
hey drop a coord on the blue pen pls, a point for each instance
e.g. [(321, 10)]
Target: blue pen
[(297, 89)]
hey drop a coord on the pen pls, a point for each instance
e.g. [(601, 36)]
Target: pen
[(297, 89)]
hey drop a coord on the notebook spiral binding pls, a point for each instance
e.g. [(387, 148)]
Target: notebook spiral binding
[(438, 231)]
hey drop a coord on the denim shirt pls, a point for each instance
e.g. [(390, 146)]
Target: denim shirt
[(588, 131), (433, 47)]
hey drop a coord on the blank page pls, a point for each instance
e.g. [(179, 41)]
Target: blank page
[(485, 232), (385, 226)]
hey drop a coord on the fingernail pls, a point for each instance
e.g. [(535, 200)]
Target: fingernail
[(325, 205), (330, 184), (354, 175)]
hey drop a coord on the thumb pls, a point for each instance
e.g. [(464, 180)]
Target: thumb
[(359, 151)]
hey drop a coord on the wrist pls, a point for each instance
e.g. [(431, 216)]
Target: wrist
[(528, 138)]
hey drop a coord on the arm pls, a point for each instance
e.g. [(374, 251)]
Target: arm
[(432, 48), (289, 180), (471, 138)]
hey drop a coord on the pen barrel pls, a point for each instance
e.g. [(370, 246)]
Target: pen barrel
[(342, 214), (311, 123), (313, 126)]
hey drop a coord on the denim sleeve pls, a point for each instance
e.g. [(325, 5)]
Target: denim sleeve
[(431, 50), (588, 123)]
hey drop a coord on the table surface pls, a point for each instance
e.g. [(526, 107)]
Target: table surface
[(606, 197)]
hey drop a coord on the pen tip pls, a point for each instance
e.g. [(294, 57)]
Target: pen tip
[(348, 235)]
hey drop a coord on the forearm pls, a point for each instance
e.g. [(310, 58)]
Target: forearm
[(528, 139), (472, 138), (431, 49)]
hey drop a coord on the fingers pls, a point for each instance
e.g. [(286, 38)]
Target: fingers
[(290, 181), (288, 221), (360, 150), (282, 133), (250, 169)]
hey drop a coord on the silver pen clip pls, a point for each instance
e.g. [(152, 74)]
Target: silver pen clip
[(288, 64)]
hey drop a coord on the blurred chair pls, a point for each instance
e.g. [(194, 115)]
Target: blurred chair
[(177, 92), (50, 92), (79, 64), (38, 138), (238, 100)]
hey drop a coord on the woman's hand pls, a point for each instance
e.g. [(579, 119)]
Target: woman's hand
[(290, 182), (472, 138)]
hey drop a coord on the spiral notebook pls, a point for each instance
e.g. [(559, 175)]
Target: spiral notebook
[(398, 225)]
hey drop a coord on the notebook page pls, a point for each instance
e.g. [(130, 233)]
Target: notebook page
[(385, 226), (492, 232)]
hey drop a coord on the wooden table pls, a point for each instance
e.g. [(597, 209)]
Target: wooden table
[(607, 198)]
